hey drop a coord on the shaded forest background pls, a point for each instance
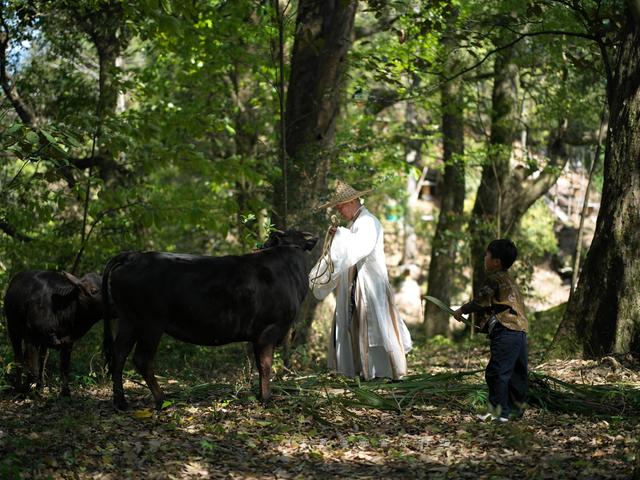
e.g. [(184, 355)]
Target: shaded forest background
[(199, 126)]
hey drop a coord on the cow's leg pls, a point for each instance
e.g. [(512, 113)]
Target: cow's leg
[(264, 358), (143, 359), (42, 361), (32, 361), (263, 350), (65, 366), (18, 359), (122, 345)]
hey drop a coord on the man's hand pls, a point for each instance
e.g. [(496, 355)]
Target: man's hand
[(458, 315), (332, 229)]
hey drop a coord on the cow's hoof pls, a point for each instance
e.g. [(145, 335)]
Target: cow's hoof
[(120, 404)]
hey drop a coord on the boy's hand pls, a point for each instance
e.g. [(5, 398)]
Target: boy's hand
[(458, 315)]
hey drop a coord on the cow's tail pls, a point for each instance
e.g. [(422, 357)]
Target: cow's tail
[(107, 303)]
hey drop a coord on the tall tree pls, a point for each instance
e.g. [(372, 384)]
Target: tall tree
[(104, 24), (603, 314), (488, 211), (507, 191), (324, 31), (451, 185)]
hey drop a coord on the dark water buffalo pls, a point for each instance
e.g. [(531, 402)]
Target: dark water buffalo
[(203, 300), (47, 309)]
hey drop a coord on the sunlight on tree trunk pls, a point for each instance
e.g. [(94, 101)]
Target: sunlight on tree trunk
[(602, 316)]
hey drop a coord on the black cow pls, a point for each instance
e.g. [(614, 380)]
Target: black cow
[(47, 309), (203, 300)]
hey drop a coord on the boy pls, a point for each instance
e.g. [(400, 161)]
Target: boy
[(501, 311)]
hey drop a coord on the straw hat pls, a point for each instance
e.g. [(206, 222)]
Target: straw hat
[(344, 193)]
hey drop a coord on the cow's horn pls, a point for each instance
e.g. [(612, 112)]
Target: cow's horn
[(72, 278), (75, 281)]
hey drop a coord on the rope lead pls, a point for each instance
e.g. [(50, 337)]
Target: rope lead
[(326, 252)]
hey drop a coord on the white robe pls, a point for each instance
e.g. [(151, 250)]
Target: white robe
[(383, 339)]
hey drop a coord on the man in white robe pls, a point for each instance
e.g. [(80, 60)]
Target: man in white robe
[(368, 336)]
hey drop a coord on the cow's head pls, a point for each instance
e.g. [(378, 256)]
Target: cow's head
[(88, 287), (304, 240)]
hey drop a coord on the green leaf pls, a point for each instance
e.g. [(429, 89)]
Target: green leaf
[(53, 141), (13, 129), (73, 141), (33, 138)]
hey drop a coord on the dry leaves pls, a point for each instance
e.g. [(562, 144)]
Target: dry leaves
[(220, 431)]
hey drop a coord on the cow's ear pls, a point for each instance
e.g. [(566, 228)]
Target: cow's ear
[(310, 240), (275, 238), (75, 281)]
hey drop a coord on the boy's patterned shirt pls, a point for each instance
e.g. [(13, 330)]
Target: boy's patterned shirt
[(500, 289)]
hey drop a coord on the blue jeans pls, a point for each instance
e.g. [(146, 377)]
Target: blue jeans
[(506, 373)]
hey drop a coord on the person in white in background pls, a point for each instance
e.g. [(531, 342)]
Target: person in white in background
[(368, 337)]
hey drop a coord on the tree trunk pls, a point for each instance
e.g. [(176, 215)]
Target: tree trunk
[(413, 156), (603, 314), (105, 28), (486, 218), (324, 30), (445, 241), (505, 194)]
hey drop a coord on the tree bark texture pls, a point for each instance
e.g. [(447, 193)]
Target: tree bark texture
[(324, 31), (442, 266), (486, 220), (604, 312)]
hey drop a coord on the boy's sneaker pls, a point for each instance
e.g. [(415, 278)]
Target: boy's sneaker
[(490, 417)]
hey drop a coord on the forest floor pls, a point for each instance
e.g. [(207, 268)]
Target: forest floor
[(217, 429)]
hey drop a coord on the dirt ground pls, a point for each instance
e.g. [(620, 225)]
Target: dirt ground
[(219, 430)]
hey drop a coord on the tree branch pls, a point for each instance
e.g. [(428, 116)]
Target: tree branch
[(22, 109), (510, 44), (526, 192), (98, 219)]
